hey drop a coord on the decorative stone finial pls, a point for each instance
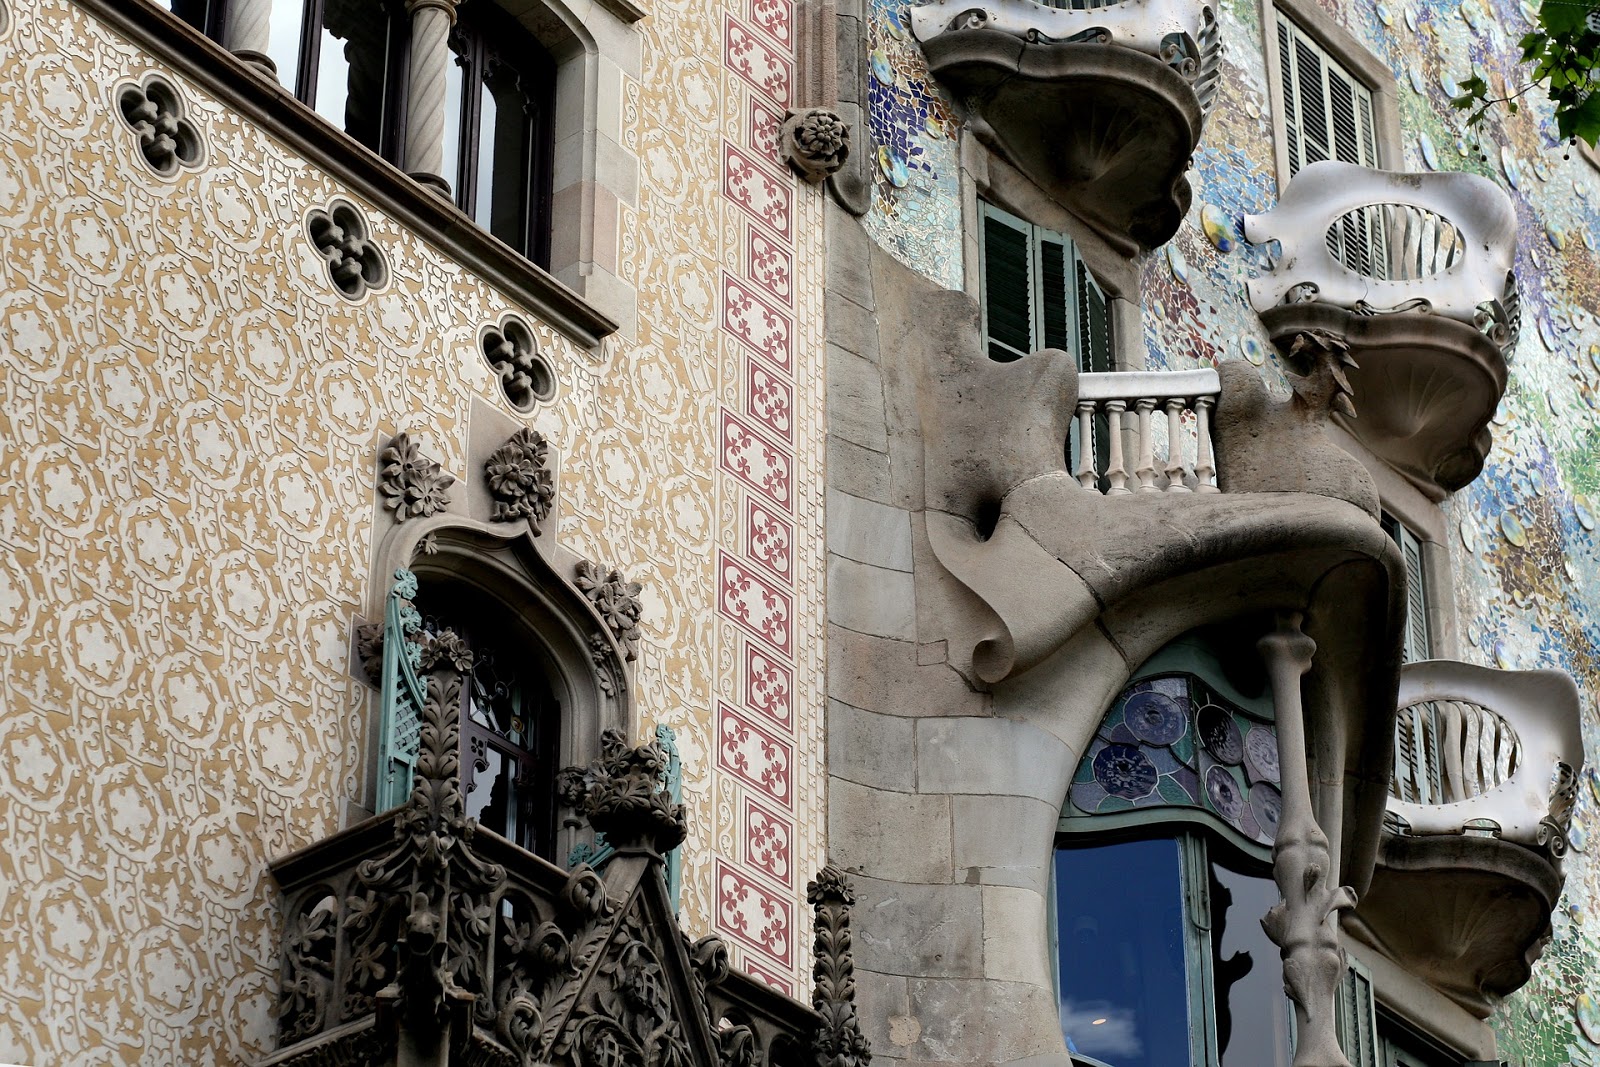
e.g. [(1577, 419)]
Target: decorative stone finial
[(627, 797), (838, 1041), (814, 141)]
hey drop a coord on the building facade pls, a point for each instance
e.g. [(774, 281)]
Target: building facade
[(1110, 480)]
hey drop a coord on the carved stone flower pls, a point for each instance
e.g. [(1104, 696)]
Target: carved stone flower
[(617, 601), (411, 484), (816, 142), (448, 648), (519, 478)]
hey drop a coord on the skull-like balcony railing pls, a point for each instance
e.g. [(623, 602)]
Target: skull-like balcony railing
[(1099, 105), (1413, 273), (418, 937), (1486, 768)]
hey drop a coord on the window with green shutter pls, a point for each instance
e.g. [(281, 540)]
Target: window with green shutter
[(1418, 642), (1357, 1021), (1328, 114), (1038, 293)]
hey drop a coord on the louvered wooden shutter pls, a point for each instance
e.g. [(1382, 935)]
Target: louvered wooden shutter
[(1327, 114), (1418, 646), (1094, 323), (1358, 1017), (1008, 286)]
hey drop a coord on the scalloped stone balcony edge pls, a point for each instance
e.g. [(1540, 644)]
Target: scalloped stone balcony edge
[(358, 171), (1105, 130), (1425, 387), (1468, 915)]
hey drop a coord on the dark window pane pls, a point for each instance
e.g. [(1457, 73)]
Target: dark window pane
[(352, 68), (1094, 324), (1124, 984), (455, 115), (1251, 1012), (196, 13)]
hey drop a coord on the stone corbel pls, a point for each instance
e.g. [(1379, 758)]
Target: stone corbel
[(826, 137)]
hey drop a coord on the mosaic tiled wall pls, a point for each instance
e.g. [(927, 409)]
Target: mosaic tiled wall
[(1526, 560), (190, 415)]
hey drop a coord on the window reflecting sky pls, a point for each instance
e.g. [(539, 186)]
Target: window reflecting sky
[(1124, 991)]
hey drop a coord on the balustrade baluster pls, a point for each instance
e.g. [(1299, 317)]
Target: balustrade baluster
[(1147, 458), (1116, 467), (1205, 465), (1087, 476), (1175, 468)]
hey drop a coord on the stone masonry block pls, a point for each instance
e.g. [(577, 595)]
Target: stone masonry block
[(889, 835), (871, 749)]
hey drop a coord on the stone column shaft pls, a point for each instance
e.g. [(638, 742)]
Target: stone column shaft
[(1305, 924), (425, 94), (249, 33)]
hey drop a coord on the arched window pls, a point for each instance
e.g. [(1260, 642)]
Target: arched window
[(510, 718), (1163, 871)]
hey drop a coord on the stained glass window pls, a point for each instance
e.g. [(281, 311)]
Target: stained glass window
[(1174, 741)]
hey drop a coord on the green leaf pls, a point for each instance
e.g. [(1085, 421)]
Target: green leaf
[(1586, 120)]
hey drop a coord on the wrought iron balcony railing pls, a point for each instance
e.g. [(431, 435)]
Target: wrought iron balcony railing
[(1486, 752), (1375, 242)]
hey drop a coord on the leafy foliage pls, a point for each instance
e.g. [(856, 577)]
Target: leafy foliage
[(1563, 55)]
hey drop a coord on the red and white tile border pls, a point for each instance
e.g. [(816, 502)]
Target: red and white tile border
[(768, 741)]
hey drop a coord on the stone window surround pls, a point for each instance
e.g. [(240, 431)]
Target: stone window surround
[(1356, 58), (985, 176), (583, 296)]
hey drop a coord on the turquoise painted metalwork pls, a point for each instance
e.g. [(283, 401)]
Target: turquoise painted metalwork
[(674, 785), (400, 723)]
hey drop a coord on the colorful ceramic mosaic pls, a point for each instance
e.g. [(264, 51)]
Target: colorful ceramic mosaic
[(1525, 559), (916, 211), (1174, 742)]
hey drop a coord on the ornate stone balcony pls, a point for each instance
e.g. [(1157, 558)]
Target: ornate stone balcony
[(1412, 274), (1148, 431), (1486, 768), (1100, 105), (419, 938)]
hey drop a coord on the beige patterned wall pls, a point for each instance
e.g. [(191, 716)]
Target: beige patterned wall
[(188, 421)]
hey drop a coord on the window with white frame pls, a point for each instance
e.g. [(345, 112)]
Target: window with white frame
[(1038, 293), (1418, 641), (1327, 113)]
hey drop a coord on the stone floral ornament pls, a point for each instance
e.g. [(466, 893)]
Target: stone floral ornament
[(355, 264), (157, 114), (815, 142), (625, 796), (410, 484), (520, 481), (617, 601), (525, 375)]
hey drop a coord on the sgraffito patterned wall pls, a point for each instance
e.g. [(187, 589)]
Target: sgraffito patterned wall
[(1521, 538), (189, 416)]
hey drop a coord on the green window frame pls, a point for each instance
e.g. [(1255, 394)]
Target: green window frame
[(1327, 113), (1038, 293), (1418, 639)]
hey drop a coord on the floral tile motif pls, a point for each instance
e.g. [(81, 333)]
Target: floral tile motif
[(756, 756)]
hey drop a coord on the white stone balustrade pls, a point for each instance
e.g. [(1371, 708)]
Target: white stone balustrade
[(1373, 241), (1138, 419), (1487, 751), (1184, 34)]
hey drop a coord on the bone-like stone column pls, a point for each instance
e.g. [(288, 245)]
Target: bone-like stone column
[(249, 34), (1304, 925), (425, 94)]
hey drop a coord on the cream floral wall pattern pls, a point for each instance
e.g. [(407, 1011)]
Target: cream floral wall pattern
[(191, 415)]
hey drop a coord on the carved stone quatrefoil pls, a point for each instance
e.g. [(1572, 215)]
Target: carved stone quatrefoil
[(155, 111), (355, 263)]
